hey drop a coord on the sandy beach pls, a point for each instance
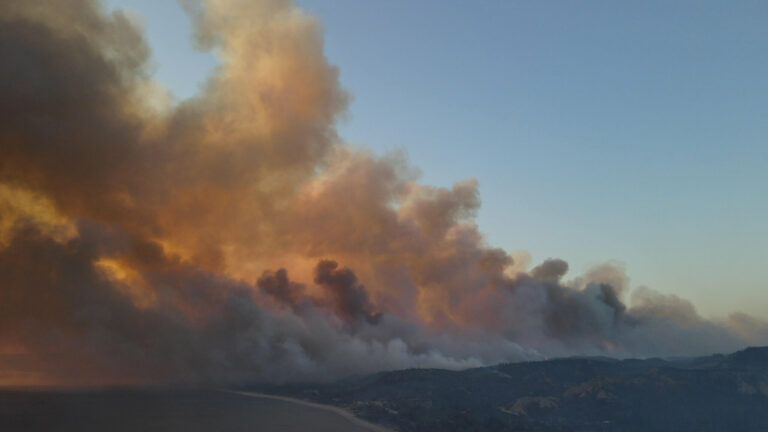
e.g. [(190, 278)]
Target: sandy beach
[(336, 410)]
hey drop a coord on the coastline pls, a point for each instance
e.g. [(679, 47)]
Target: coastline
[(340, 411)]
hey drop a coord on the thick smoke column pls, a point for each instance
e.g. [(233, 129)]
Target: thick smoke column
[(233, 236), (278, 286), (350, 300)]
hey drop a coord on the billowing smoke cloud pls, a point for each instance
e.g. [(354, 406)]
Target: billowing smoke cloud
[(278, 286), (350, 300), (551, 269), (233, 236)]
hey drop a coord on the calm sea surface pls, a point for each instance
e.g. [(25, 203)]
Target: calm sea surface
[(161, 411)]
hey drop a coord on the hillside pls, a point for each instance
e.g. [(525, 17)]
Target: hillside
[(714, 393)]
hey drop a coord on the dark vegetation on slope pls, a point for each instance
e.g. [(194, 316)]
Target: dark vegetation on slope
[(714, 393)]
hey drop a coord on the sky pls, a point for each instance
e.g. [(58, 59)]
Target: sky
[(598, 131)]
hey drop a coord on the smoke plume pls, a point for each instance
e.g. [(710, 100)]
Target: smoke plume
[(233, 236)]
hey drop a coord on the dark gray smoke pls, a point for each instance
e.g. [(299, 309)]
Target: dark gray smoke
[(277, 285), (350, 299)]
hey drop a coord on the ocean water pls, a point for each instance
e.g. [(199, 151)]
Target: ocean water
[(161, 411)]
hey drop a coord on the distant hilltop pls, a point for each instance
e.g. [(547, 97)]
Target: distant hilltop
[(752, 357)]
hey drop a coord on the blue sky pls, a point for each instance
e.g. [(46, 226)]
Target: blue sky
[(598, 130)]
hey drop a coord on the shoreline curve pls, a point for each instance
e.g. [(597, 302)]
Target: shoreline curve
[(339, 411)]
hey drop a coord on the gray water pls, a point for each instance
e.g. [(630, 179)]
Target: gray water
[(161, 411)]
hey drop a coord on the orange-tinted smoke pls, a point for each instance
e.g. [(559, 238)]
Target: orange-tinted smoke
[(138, 239)]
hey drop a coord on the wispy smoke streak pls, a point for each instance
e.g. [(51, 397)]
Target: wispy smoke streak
[(234, 237)]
